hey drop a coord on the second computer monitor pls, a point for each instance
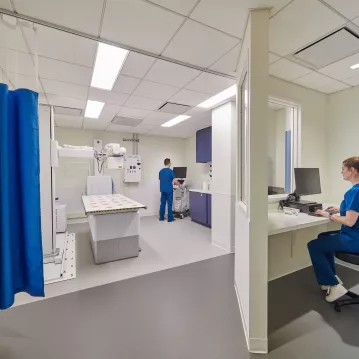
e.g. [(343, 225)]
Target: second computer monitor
[(180, 172), (307, 181)]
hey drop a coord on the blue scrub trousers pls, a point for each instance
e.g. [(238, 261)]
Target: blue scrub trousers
[(166, 197), (322, 251)]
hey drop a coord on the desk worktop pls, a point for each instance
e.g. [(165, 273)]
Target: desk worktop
[(279, 222)]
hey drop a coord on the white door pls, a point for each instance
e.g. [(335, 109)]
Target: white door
[(251, 217)]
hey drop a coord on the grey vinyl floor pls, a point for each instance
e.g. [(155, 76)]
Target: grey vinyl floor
[(184, 312)]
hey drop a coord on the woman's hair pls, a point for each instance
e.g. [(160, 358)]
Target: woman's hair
[(352, 162)]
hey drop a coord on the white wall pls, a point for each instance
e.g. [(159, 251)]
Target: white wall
[(72, 173), (197, 173), (342, 126), (314, 139)]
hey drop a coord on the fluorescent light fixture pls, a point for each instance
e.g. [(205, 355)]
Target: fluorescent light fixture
[(354, 66), (176, 121), (109, 61), (93, 109), (220, 97)]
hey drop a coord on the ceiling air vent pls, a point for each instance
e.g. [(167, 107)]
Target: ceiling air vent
[(331, 48), (59, 110), (174, 108), (125, 121)]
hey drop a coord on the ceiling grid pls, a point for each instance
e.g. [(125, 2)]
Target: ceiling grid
[(186, 70)]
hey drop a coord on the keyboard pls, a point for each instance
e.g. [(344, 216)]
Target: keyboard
[(314, 214)]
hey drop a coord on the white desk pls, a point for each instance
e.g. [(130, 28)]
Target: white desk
[(288, 236), (279, 222)]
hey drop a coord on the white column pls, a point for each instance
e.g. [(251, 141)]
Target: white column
[(251, 217), (223, 186)]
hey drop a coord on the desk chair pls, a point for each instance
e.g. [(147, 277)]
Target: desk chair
[(354, 298)]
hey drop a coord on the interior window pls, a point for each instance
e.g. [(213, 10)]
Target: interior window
[(281, 147)]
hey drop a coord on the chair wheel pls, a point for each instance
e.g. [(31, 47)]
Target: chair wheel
[(337, 308)]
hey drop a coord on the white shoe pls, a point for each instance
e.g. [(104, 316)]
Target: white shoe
[(335, 292), (326, 287)]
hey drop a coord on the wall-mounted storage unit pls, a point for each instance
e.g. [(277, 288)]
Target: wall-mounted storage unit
[(204, 145)]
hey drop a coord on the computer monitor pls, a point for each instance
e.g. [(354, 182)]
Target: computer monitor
[(180, 172), (307, 181)]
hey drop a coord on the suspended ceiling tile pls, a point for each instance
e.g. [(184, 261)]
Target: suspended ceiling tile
[(211, 84), (64, 89), (110, 97), (143, 130), (168, 73), (24, 81), (65, 101), (332, 48), (117, 98), (199, 45), (181, 6), (137, 65), (139, 24), (80, 15), (198, 112), (158, 118), (287, 70), (133, 112), (17, 62), (333, 87), (122, 129), (5, 4), (188, 97), (348, 8), (126, 84), (110, 109), (68, 121), (273, 58), (314, 80), (11, 37), (63, 46), (155, 91), (228, 63), (63, 71), (229, 16), (144, 103), (353, 81), (95, 124), (341, 70), (287, 32)]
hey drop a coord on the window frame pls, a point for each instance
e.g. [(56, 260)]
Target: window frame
[(295, 142)]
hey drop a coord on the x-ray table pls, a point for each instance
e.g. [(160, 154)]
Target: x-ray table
[(115, 226)]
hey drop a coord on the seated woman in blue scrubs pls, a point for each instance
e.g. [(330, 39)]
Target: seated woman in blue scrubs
[(167, 179), (323, 248)]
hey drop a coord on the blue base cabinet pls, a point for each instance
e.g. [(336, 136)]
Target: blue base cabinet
[(200, 206)]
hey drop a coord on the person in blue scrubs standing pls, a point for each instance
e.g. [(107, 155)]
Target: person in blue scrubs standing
[(167, 179), (322, 249)]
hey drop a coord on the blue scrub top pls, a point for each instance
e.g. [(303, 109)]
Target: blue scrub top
[(166, 177), (351, 202)]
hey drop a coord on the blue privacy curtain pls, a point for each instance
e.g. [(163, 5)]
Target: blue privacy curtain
[(21, 262)]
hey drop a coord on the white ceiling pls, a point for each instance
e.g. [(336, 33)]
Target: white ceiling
[(205, 33)]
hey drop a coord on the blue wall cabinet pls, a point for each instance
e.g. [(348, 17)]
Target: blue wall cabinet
[(200, 208), (204, 145)]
